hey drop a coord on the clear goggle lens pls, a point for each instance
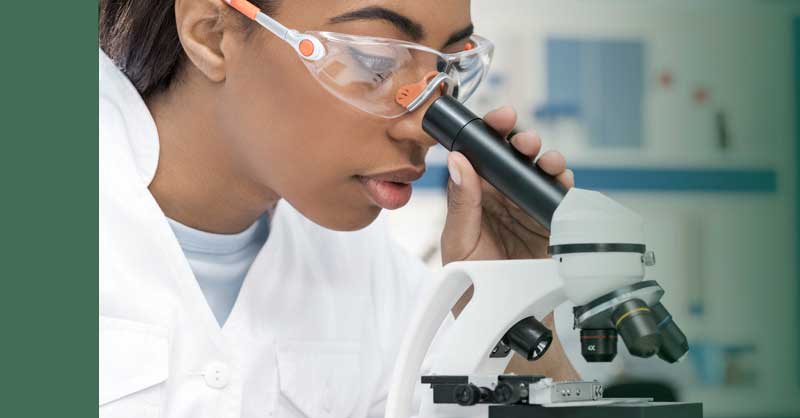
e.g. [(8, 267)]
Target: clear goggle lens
[(368, 72)]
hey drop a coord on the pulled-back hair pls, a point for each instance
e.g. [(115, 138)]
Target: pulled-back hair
[(141, 37)]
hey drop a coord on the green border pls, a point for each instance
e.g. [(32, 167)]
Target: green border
[(796, 47), (49, 293)]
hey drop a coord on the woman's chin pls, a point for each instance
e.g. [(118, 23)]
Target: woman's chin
[(346, 220)]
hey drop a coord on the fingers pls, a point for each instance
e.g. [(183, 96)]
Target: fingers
[(552, 162), (502, 120), (567, 178), (462, 227), (528, 143)]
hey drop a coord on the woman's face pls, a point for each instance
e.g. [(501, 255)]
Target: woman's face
[(337, 165)]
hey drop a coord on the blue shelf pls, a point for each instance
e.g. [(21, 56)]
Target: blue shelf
[(650, 179), (677, 179)]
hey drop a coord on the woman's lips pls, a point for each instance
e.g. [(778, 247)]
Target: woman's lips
[(387, 194), (391, 190)]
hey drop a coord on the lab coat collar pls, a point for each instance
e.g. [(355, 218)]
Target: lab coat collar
[(139, 123)]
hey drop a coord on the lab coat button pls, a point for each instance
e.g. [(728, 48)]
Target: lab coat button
[(217, 375)]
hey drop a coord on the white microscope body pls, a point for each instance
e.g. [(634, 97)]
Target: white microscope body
[(597, 247)]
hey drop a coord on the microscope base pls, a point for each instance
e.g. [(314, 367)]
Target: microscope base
[(648, 410)]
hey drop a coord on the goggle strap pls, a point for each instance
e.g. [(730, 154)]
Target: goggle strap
[(307, 46), (272, 25), (245, 7)]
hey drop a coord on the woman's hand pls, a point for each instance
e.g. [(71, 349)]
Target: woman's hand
[(482, 224)]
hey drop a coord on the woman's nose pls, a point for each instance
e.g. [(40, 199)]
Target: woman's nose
[(408, 128)]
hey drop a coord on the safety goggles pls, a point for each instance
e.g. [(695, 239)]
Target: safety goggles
[(383, 77)]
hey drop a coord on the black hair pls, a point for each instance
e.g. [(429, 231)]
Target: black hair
[(141, 37)]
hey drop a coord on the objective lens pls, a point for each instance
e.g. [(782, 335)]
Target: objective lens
[(599, 345), (529, 338), (674, 344), (634, 321)]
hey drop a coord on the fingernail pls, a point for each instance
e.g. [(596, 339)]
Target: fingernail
[(501, 109), (455, 175)]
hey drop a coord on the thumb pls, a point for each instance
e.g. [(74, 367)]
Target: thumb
[(462, 227)]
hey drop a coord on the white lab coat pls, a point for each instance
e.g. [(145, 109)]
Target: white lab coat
[(315, 329)]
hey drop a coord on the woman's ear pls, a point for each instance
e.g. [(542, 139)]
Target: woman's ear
[(200, 29)]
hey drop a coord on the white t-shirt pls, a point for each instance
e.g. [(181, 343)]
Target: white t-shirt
[(221, 261), (314, 332)]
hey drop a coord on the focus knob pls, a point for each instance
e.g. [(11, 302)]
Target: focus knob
[(467, 394)]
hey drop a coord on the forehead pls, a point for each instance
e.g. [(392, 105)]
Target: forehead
[(437, 19)]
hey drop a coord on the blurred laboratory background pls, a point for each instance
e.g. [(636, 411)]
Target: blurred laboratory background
[(686, 112)]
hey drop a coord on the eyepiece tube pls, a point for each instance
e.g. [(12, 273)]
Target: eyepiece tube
[(494, 158)]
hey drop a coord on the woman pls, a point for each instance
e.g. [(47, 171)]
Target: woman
[(241, 273)]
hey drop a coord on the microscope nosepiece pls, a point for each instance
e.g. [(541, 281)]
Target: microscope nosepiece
[(635, 313)]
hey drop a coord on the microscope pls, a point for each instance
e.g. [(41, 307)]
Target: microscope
[(598, 261)]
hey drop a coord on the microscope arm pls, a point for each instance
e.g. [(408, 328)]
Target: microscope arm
[(434, 306), (506, 291)]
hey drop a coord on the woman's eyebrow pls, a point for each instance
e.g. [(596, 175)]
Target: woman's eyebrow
[(459, 35), (412, 29)]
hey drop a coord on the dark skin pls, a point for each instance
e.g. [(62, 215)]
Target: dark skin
[(246, 125)]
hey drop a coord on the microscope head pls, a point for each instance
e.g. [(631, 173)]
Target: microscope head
[(601, 255), (597, 243)]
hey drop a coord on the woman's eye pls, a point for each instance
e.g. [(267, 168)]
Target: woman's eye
[(380, 65), (468, 64)]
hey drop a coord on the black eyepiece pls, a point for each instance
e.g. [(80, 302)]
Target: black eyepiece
[(494, 158)]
